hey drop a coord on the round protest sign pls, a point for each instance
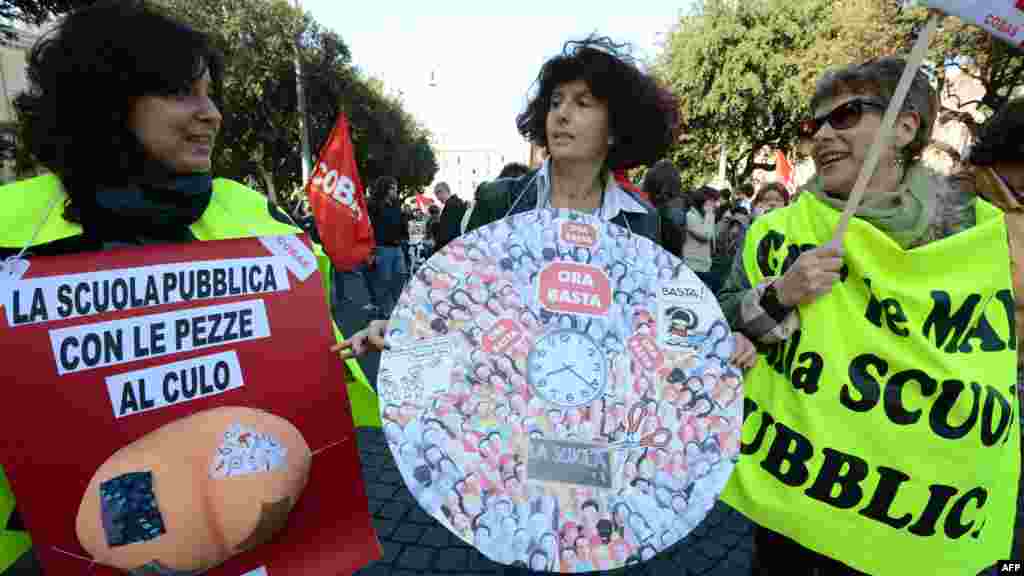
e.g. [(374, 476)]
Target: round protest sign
[(557, 393)]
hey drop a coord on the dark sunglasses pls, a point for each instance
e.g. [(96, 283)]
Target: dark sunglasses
[(842, 117)]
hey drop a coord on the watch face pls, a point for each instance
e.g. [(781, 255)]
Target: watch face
[(567, 368)]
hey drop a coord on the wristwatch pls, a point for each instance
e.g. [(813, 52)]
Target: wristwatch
[(772, 305)]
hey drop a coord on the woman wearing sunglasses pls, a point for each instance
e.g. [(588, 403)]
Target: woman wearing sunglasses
[(904, 200)]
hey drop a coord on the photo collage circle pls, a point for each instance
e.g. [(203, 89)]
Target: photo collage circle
[(557, 393)]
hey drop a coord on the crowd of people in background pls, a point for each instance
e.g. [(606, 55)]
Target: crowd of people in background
[(704, 226)]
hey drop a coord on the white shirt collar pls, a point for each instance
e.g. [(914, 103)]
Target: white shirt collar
[(615, 198)]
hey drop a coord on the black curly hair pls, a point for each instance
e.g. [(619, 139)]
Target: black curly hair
[(662, 182), (643, 116), (85, 75), (1001, 137)]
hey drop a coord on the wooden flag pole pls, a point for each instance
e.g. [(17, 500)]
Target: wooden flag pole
[(917, 55)]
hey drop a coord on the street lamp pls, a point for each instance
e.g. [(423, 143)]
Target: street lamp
[(303, 129)]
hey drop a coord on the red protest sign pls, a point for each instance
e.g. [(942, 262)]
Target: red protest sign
[(112, 346), (339, 205)]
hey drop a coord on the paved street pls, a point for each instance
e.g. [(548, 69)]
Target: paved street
[(416, 544)]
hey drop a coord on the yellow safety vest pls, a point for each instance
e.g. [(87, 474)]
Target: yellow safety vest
[(235, 211), (885, 432)]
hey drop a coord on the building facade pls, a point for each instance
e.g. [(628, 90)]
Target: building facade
[(466, 168)]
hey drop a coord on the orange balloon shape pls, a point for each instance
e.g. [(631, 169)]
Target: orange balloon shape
[(222, 481)]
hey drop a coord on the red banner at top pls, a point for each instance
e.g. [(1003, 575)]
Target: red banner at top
[(338, 202)]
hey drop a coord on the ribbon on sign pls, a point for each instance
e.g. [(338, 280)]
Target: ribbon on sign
[(336, 197), (1004, 19)]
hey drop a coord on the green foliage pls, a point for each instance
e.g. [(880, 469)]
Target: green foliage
[(745, 71), (261, 138), (732, 65), (33, 13)]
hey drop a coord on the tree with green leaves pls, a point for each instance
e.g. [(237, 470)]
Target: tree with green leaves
[(260, 136), (32, 13), (745, 71), (862, 29), (732, 65), (260, 141)]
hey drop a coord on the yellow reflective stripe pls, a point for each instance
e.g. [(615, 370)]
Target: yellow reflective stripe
[(361, 396), (12, 544)]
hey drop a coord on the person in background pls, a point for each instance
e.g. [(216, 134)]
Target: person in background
[(389, 229), (745, 196), (433, 226), (454, 208), (510, 170), (407, 219), (665, 189), (700, 234), (996, 173), (513, 170), (770, 196), (729, 235)]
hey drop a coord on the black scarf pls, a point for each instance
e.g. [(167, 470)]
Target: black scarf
[(158, 211)]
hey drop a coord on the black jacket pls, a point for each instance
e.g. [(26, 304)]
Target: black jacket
[(518, 195), (673, 226), (450, 227), (389, 223)]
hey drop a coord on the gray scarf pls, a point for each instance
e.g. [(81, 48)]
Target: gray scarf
[(904, 215)]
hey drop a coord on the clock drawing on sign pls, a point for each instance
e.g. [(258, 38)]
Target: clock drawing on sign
[(567, 368)]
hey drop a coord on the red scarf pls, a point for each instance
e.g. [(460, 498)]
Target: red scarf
[(625, 184)]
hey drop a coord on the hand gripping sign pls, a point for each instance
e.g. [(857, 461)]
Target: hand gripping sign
[(164, 415), (558, 393)]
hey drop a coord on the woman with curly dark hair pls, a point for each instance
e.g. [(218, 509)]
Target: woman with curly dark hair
[(594, 112)]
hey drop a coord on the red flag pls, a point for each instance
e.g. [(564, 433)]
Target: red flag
[(423, 202), (785, 170), (339, 205)]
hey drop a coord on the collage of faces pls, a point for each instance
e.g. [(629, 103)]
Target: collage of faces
[(613, 479)]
